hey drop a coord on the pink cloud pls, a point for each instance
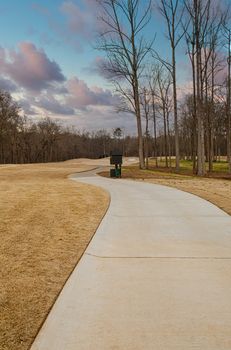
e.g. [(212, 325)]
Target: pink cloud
[(69, 98), (103, 117), (81, 20), (30, 67), (82, 96), (53, 105)]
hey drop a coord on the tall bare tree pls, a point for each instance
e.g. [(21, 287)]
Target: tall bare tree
[(172, 12), (203, 37), (227, 32), (145, 97), (152, 82), (199, 12), (164, 82), (126, 48), (214, 65)]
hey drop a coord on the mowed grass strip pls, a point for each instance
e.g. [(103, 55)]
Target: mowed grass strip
[(46, 222)]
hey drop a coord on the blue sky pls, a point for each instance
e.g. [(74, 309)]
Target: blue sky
[(36, 22), (48, 62)]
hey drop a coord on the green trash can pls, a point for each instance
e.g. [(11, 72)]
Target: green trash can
[(118, 172)]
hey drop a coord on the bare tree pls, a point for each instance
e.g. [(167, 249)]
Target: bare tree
[(9, 119), (199, 12), (153, 86), (172, 12), (228, 94), (126, 48), (203, 37), (214, 65), (164, 82), (145, 97)]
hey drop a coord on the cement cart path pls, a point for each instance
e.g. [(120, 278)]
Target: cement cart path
[(156, 276)]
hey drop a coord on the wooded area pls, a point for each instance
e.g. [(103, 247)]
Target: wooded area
[(170, 123), (198, 126), (24, 141)]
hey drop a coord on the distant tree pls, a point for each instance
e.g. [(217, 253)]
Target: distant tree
[(117, 133), (103, 140), (9, 119), (49, 131)]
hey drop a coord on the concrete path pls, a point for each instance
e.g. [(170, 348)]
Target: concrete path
[(156, 276)]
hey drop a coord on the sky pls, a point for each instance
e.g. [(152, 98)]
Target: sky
[(48, 62)]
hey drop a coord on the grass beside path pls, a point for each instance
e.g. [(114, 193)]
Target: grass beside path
[(46, 222), (220, 168)]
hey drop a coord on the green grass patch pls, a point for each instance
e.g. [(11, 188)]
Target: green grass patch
[(186, 166), (220, 170)]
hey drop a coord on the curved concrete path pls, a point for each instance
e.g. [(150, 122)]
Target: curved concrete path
[(156, 276)]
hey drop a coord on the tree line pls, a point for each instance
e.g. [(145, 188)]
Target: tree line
[(24, 141), (198, 126)]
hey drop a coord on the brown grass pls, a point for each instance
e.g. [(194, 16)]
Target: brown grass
[(46, 223), (215, 190)]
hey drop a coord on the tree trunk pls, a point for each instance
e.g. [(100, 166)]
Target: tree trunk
[(140, 141), (228, 106), (165, 138), (200, 127), (154, 129), (177, 150), (169, 141)]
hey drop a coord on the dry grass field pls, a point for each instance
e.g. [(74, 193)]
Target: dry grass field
[(46, 222)]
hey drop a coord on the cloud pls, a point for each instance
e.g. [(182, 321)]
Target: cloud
[(40, 87), (103, 117), (84, 107), (26, 106), (78, 25), (52, 105), (58, 89), (30, 67), (7, 85), (82, 96), (71, 98), (81, 21)]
